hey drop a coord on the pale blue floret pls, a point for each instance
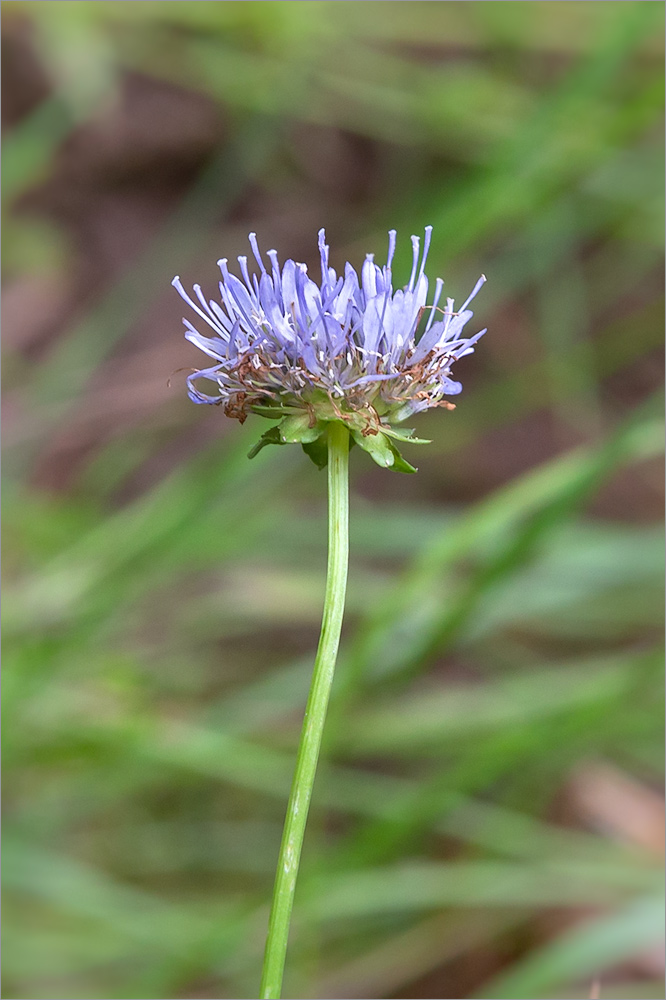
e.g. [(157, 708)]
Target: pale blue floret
[(279, 338)]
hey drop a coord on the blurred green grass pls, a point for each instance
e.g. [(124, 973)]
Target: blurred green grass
[(163, 593)]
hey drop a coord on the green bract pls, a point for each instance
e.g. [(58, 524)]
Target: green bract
[(310, 429)]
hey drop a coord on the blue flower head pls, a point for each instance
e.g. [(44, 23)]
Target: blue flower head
[(349, 349)]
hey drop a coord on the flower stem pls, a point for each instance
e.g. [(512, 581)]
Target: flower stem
[(315, 712)]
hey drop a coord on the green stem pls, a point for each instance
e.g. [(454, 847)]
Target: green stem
[(315, 712)]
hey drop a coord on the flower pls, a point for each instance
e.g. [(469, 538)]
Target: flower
[(346, 349)]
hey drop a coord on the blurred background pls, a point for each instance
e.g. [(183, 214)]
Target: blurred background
[(488, 821)]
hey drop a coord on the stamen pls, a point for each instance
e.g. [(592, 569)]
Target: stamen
[(178, 285), (391, 250), (244, 271), (480, 282), (255, 250), (439, 284), (415, 254), (426, 247), (323, 252)]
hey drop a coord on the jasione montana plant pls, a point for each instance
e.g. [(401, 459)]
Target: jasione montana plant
[(340, 362)]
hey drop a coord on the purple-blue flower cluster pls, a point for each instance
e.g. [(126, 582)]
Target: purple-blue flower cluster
[(348, 348)]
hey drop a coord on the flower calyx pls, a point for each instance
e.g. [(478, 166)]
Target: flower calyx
[(309, 428)]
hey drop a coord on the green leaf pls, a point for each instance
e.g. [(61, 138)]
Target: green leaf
[(292, 430), (300, 429), (271, 436), (405, 434), (317, 451), (399, 463), (382, 451), (272, 412), (377, 446), (579, 953)]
